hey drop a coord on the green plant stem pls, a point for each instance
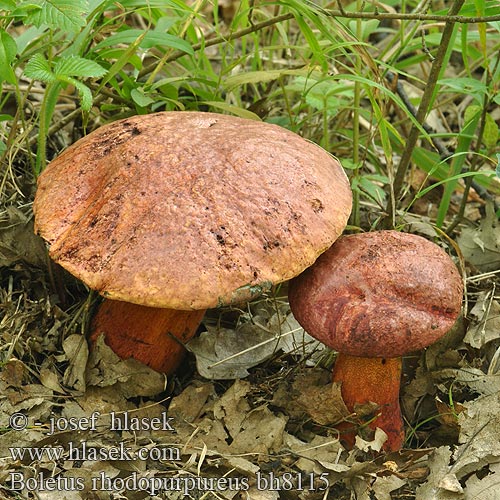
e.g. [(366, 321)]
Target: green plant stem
[(355, 215), (217, 40), (196, 9), (450, 17), (46, 111), (469, 180), (422, 111)]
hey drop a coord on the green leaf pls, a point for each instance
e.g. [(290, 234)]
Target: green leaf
[(38, 68), (85, 95), (490, 134), (471, 113), (255, 77), (8, 50), (78, 66), (463, 175), (370, 186), (368, 27), (140, 99), (465, 86), (497, 170), (134, 4), (67, 15), (83, 91), (26, 37), (325, 94), (235, 110), (312, 41), (7, 5)]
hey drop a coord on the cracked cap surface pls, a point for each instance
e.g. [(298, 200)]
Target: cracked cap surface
[(190, 210)]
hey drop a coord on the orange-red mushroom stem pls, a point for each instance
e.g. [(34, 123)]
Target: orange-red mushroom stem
[(376, 380), (372, 297), (154, 336)]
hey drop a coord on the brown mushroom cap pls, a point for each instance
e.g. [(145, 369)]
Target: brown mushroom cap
[(379, 294), (190, 210)]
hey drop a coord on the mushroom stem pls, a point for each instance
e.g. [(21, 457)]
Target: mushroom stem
[(151, 335), (376, 380)]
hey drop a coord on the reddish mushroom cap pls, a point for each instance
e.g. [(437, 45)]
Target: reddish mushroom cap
[(379, 294), (189, 210)]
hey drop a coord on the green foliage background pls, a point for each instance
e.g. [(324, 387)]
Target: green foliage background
[(317, 68)]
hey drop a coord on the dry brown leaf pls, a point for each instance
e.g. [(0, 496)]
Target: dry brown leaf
[(293, 338), (261, 433), (361, 487), (485, 325), (101, 399), (254, 493), (311, 394), (320, 455), (384, 486), (49, 379), (18, 240), (473, 378), (447, 415), (232, 407), (33, 400), (479, 435), (234, 429), (440, 479), (241, 465), (188, 405), (379, 438), (13, 373), (77, 353), (324, 404), (484, 488), (225, 354), (481, 246), (207, 433), (63, 495), (130, 377)]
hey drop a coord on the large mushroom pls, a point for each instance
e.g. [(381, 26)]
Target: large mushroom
[(171, 213), (374, 297)]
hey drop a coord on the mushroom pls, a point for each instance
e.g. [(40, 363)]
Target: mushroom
[(171, 213), (374, 297)]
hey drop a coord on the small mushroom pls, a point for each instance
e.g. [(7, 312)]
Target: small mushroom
[(374, 297), (171, 213)]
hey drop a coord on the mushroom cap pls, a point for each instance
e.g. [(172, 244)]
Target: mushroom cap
[(379, 294), (190, 210)]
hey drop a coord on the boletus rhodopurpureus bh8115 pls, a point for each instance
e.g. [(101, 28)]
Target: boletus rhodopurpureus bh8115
[(374, 297), (171, 213)]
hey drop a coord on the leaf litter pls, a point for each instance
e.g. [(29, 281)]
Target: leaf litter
[(253, 403)]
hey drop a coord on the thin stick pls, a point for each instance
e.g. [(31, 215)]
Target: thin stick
[(422, 111)]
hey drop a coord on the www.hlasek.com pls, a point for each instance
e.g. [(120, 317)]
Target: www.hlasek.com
[(184, 484)]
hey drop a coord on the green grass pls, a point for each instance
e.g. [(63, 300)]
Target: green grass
[(293, 63)]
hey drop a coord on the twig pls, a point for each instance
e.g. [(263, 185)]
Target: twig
[(450, 18), (421, 112), (444, 152), (438, 144), (220, 39), (469, 182)]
